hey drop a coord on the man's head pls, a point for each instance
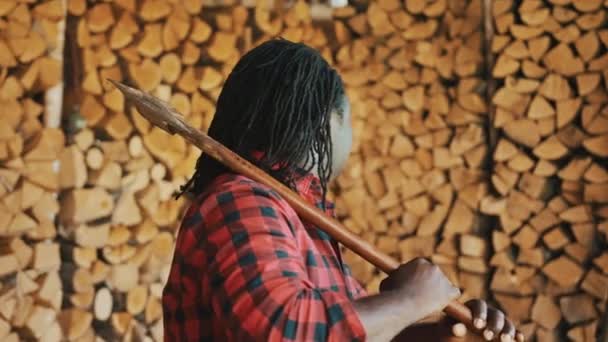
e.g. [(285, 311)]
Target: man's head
[(284, 101)]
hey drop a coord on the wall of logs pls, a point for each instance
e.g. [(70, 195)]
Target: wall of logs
[(31, 288), (481, 138)]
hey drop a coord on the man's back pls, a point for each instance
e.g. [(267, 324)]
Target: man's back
[(247, 268)]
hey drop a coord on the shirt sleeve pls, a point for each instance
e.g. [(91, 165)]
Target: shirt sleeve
[(258, 280)]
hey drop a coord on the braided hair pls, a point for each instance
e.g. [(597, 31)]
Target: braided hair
[(277, 100)]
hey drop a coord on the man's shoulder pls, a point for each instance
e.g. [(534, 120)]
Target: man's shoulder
[(233, 197), (234, 187)]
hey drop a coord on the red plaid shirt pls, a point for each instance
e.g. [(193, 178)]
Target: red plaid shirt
[(247, 268)]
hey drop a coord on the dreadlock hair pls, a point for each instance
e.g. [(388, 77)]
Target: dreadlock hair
[(277, 100)]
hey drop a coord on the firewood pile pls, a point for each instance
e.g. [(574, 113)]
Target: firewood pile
[(550, 115), (481, 137), (507, 191), (31, 37)]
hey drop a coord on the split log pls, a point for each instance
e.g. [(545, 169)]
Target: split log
[(84, 205), (74, 322), (563, 271), (103, 304)]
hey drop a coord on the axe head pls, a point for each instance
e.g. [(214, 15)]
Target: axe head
[(158, 112)]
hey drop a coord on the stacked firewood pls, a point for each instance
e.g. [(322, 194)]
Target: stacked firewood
[(549, 176), (414, 183), (30, 284), (492, 165), (536, 223)]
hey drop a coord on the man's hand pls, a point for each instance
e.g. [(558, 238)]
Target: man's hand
[(424, 281), (490, 321), (410, 293), (421, 279)]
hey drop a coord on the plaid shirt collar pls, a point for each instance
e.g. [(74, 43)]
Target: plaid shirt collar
[(308, 186)]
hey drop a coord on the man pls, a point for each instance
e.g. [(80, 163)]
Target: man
[(245, 266)]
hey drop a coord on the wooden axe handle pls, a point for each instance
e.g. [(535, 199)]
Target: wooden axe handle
[(164, 116)]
